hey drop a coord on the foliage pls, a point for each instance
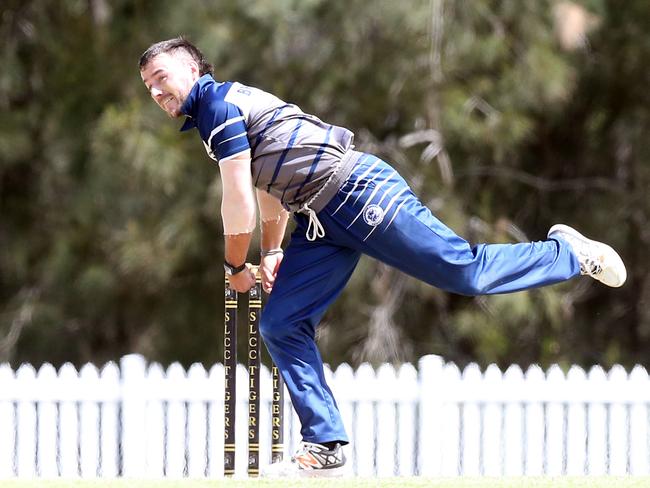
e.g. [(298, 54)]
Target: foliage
[(110, 240)]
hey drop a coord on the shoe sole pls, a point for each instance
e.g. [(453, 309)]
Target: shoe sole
[(339, 472), (614, 273)]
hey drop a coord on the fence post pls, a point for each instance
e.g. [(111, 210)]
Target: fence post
[(471, 421), (492, 441), (513, 424), (110, 379), (176, 421), (597, 425), (343, 386), (134, 403), (89, 421), (48, 388), (155, 423), (450, 421), (196, 421), (408, 396), (216, 379), (366, 385), (618, 418), (555, 448), (638, 422), (7, 421), (26, 422), (431, 396), (535, 426), (387, 429), (68, 422), (576, 422)]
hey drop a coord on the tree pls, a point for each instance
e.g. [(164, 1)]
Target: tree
[(110, 240)]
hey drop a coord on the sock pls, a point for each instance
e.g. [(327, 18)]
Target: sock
[(330, 445)]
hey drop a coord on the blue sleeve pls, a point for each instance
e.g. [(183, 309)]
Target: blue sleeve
[(223, 129)]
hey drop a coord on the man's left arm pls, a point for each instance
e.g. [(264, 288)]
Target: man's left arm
[(273, 219)]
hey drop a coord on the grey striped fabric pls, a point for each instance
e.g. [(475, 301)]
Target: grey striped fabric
[(295, 156)]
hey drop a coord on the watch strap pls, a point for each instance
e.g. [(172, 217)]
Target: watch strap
[(233, 270)]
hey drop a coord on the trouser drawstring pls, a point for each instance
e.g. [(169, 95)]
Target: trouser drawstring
[(315, 228)]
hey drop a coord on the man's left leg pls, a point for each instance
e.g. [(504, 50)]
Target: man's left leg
[(311, 276)]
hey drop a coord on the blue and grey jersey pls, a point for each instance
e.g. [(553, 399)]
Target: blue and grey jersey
[(296, 157)]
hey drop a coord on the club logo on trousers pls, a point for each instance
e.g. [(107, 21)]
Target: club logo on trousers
[(373, 215)]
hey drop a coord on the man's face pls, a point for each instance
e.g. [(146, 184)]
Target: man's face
[(169, 77)]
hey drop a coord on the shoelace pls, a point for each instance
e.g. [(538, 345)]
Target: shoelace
[(299, 451), (591, 267), (302, 449), (588, 265), (303, 459)]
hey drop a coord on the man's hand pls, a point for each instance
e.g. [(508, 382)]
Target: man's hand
[(242, 281), (269, 269)]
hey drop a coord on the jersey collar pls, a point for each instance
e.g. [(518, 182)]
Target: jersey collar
[(191, 105)]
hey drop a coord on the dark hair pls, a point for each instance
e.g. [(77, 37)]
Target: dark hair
[(172, 45)]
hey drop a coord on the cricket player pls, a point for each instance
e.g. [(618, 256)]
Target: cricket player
[(345, 203)]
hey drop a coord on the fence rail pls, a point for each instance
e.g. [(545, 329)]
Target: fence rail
[(139, 420)]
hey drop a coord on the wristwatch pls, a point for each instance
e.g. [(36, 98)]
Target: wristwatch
[(233, 270)]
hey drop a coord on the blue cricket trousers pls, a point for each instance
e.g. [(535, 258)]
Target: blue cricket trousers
[(376, 213)]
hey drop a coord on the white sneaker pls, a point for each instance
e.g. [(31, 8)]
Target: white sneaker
[(310, 460), (597, 259)]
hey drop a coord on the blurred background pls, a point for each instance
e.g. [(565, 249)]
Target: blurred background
[(506, 116)]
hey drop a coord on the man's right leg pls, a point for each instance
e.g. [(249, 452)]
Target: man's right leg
[(310, 278), (378, 214)]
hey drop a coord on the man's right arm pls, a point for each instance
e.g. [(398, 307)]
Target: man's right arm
[(238, 215), (224, 132)]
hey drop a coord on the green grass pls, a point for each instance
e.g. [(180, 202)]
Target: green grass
[(563, 482)]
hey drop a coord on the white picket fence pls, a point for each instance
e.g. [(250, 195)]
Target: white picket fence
[(138, 420)]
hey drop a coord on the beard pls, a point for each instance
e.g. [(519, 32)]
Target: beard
[(174, 105)]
